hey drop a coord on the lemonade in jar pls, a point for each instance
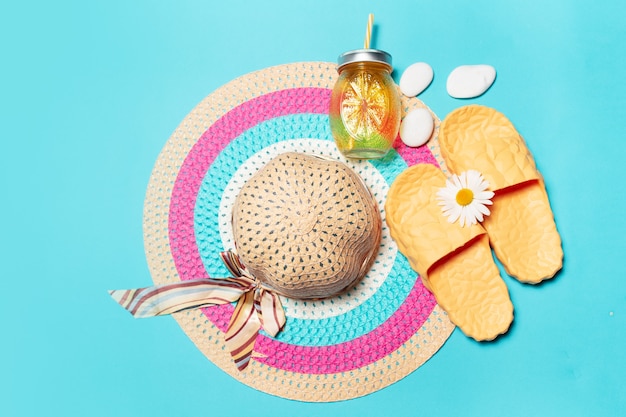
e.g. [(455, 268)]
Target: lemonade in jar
[(365, 105)]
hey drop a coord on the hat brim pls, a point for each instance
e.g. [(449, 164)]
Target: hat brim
[(345, 347)]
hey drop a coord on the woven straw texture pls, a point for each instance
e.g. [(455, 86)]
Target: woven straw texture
[(334, 349), (306, 226)]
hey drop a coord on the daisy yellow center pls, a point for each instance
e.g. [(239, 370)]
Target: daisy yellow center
[(464, 196)]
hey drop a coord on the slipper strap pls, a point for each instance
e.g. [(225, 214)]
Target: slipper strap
[(426, 238)]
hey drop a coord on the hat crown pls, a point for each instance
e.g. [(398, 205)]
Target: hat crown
[(306, 226)]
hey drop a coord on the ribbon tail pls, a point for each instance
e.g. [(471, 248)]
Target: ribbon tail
[(270, 311), (171, 298), (242, 331)]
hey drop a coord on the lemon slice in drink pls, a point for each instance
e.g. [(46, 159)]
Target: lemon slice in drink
[(365, 105)]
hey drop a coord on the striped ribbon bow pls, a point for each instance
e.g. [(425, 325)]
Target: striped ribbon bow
[(256, 308)]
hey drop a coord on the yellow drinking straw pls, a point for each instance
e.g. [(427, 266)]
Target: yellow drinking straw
[(368, 32)]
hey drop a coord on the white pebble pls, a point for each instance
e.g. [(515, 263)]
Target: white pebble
[(469, 81), (417, 127), (415, 79)]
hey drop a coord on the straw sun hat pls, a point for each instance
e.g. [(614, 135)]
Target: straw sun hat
[(200, 196), (306, 226)]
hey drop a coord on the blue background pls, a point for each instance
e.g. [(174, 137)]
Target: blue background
[(91, 91)]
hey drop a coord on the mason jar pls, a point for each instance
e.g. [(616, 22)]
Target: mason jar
[(365, 107)]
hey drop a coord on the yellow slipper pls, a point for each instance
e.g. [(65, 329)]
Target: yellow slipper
[(521, 225), (455, 263)]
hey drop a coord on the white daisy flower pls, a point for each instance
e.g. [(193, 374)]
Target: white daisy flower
[(465, 198)]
